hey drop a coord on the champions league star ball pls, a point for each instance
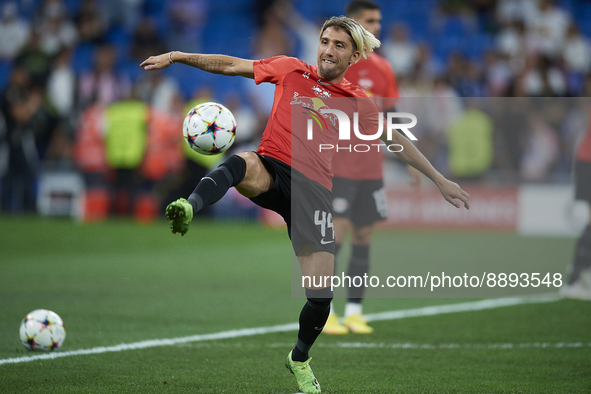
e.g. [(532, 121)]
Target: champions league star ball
[(209, 128), (42, 330)]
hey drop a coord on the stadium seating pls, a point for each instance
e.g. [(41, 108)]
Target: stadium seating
[(5, 68), (227, 27)]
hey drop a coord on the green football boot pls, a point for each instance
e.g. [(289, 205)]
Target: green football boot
[(180, 214), (307, 382)]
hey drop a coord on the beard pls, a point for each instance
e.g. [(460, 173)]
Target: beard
[(329, 73)]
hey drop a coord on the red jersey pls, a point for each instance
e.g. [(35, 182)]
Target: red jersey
[(301, 92), (376, 77), (584, 149)]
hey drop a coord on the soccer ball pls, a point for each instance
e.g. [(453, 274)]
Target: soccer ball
[(42, 330), (209, 128)]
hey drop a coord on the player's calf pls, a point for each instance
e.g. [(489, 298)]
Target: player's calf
[(214, 185)]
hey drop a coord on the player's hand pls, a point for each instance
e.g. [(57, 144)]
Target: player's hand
[(156, 62), (416, 177), (452, 192)]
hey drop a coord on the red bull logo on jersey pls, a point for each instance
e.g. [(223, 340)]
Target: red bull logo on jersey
[(314, 105), (321, 92)]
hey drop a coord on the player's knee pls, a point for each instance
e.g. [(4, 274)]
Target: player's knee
[(319, 299), (255, 169), (236, 169), (256, 179), (251, 160)]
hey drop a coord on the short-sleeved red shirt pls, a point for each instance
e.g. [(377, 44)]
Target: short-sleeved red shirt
[(376, 77), (299, 88)]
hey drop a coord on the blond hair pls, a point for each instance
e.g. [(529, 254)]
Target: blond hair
[(363, 41)]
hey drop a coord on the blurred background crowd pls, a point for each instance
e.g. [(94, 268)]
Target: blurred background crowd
[(75, 101)]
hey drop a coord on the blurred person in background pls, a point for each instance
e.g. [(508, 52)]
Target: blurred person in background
[(55, 29), (475, 81), (158, 90), (124, 13), (126, 136), (515, 43), (461, 14), (271, 40), (36, 62), (465, 76), (470, 142), (103, 84), (540, 77), (485, 13), (61, 93), (577, 51), (578, 284), (541, 149), (400, 51), (445, 106), (572, 122), (186, 21), (18, 181), (510, 135), (145, 38), (13, 30), (61, 84), (513, 10), (305, 29), (90, 160), (549, 24), (427, 69), (30, 122), (456, 71), (577, 60), (358, 186), (496, 73), (91, 22)]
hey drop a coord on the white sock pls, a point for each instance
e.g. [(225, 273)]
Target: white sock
[(353, 308), (331, 309)]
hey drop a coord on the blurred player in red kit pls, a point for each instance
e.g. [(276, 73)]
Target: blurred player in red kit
[(359, 199)]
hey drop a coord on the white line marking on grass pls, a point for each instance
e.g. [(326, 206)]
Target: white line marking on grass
[(247, 332), (452, 308), (538, 345)]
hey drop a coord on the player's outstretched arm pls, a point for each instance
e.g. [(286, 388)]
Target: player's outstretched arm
[(216, 64), (451, 191), (416, 177)]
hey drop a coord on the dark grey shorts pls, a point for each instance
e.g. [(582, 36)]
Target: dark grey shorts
[(304, 204), (362, 202), (583, 180)]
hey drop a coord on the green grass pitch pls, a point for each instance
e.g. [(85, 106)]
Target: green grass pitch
[(118, 282)]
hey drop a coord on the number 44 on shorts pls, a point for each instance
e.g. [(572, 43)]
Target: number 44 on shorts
[(324, 220)]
